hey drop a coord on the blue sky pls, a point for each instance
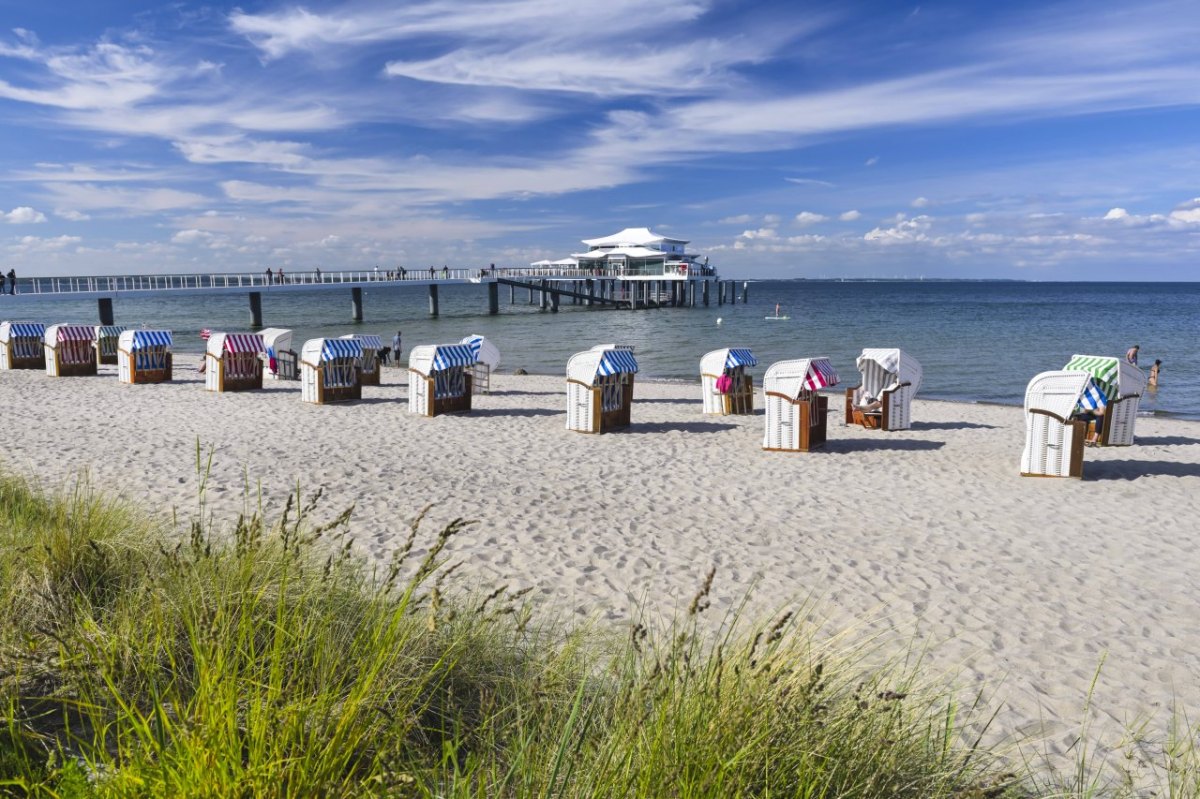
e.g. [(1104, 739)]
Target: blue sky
[(1024, 140)]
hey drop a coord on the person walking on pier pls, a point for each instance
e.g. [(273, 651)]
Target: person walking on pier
[(445, 272), (2, 279), (270, 276), (12, 281), (279, 275), (318, 271)]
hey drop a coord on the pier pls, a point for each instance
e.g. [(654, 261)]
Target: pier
[(548, 288)]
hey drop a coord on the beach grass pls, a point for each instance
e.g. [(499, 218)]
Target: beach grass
[(142, 657)]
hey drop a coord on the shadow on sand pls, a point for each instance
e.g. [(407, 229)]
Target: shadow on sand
[(952, 426), (516, 412), (844, 445), (1166, 441), (1132, 470), (683, 427)]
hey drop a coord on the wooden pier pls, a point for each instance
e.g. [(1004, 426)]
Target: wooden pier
[(547, 288)]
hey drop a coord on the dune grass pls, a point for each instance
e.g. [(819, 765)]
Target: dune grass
[(141, 659)]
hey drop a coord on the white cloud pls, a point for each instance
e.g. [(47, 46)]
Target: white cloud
[(920, 202), (849, 216), (903, 232), (872, 161), (806, 218), (1117, 213), (810, 182), (740, 219), (24, 215), (191, 236), (772, 219), (761, 233), (1188, 212), (71, 215)]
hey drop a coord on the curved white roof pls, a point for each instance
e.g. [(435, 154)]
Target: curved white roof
[(906, 368), (485, 351), (717, 361), (1057, 392), (600, 361), (429, 358), (791, 378), (276, 338), (631, 237)]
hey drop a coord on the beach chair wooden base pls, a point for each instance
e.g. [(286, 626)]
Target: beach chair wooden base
[(872, 420), (74, 369), (146, 376), (739, 402), (328, 394), (1078, 433), (443, 405), (370, 378), (810, 418), (108, 360), (227, 383)]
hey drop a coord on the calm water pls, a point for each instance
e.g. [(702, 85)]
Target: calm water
[(976, 341)]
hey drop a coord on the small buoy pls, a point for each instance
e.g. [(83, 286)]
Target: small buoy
[(718, 321)]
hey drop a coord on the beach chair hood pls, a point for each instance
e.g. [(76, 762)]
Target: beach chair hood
[(317, 351), (1060, 393), (56, 333), (276, 339), (904, 367), (11, 330), (430, 358), (485, 351), (368, 341), (1116, 377), (586, 366), (135, 340), (717, 361), (219, 343), (792, 378)]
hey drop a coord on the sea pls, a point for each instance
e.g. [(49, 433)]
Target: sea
[(978, 341)]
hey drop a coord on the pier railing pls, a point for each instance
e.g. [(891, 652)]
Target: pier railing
[(260, 280)]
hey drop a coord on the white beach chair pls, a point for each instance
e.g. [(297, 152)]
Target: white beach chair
[(371, 345), (1054, 438), (22, 345), (70, 351), (600, 389), (106, 340), (1123, 384), (234, 362), (144, 356), (329, 370), (891, 377), (439, 379), (282, 362), (487, 360), (739, 398), (796, 415)]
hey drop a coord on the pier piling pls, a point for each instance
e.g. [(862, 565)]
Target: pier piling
[(745, 292), (493, 298), (255, 309), (433, 299), (106, 310), (704, 293)]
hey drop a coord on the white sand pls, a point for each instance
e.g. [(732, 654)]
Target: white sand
[(1020, 584)]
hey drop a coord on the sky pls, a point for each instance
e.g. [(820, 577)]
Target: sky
[(1026, 140)]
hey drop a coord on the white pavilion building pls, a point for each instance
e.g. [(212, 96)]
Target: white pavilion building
[(637, 253)]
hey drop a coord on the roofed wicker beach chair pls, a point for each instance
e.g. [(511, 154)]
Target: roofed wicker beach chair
[(724, 385), (1054, 433), (796, 414), (70, 351), (329, 370), (234, 362), (144, 356), (487, 360), (600, 389), (282, 362), (1123, 383), (105, 342), (883, 399), (439, 379), (371, 346), (22, 345)]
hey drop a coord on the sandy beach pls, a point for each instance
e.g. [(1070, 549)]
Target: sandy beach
[(1020, 586)]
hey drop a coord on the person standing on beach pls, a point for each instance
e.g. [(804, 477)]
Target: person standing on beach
[(396, 347), (1132, 353)]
